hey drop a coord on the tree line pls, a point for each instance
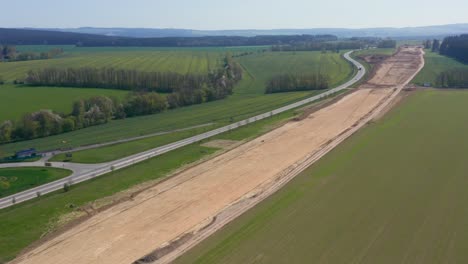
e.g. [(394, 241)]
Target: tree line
[(10, 53), (296, 82), (318, 46), (387, 44), (112, 78), (85, 113), (453, 79), (101, 109), (323, 45), (433, 45), (183, 89), (455, 47)]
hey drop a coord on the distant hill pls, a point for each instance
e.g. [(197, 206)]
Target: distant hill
[(41, 37), (197, 38), (412, 32)]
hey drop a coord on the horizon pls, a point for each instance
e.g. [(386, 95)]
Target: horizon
[(211, 15), (241, 29)]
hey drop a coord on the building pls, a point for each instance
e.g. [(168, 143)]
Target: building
[(26, 153)]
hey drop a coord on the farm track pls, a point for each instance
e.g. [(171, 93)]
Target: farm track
[(189, 202)]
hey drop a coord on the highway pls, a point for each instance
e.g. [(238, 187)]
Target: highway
[(84, 172)]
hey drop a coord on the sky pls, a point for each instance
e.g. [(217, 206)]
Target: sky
[(236, 14)]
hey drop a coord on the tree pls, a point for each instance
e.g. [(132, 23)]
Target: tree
[(6, 130), (145, 104), (28, 127), (435, 45), (8, 52), (427, 44), (78, 110), (68, 124), (48, 123), (105, 105)]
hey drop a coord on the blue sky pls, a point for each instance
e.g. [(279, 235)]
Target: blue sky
[(237, 14)]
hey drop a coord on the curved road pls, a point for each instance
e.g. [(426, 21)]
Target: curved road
[(83, 172)]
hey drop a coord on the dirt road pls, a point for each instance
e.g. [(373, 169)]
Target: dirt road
[(187, 202)]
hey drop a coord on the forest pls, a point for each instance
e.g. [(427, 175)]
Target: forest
[(293, 82), (455, 47)]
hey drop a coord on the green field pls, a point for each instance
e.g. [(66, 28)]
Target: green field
[(143, 59), (15, 101), (24, 223), (393, 193), (368, 52), (435, 64), (248, 99), (14, 180)]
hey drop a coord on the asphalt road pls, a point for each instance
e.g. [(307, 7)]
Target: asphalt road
[(84, 172)]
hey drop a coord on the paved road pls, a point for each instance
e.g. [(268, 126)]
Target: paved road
[(83, 172), (49, 154)]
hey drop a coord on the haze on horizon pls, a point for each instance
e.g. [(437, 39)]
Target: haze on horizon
[(241, 14)]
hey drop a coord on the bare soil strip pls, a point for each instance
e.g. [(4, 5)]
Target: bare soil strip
[(169, 218)]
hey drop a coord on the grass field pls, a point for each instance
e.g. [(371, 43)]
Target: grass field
[(393, 193), (14, 180), (367, 52), (24, 223), (435, 64), (144, 59), (248, 99), (15, 101)]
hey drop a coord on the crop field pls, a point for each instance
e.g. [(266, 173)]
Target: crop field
[(15, 101), (248, 99), (181, 61), (24, 223), (435, 64), (395, 192), (13, 180), (367, 52)]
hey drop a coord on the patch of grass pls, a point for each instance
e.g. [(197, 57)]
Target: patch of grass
[(14, 180), (113, 152), (248, 100), (434, 65), (394, 192)]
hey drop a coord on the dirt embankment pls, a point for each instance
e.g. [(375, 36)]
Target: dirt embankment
[(176, 211)]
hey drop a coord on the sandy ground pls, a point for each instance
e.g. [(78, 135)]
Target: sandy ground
[(182, 204)]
